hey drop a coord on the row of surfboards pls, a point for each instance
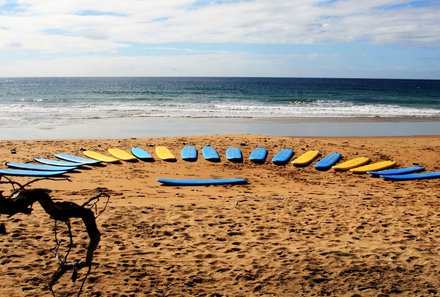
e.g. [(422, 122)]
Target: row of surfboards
[(65, 162)]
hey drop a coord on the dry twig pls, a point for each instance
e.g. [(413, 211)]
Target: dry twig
[(21, 201)]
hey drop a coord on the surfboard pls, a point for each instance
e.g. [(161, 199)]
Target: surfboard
[(353, 163), (189, 153), (100, 157), (328, 161), (121, 154), (33, 173), (164, 153), (141, 154), (57, 162), (38, 167), (210, 154), (283, 156), (234, 154), (77, 159), (202, 182), (413, 176), (258, 155), (397, 171), (373, 167), (306, 158)]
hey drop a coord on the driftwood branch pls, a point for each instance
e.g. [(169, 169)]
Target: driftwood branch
[(21, 201), (22, 187)]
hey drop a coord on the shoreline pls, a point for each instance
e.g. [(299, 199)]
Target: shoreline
[(113, 128)]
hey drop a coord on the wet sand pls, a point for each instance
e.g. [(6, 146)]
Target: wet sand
[(159, 127), (289, 232)]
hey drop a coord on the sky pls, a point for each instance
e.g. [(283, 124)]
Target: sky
[(256, 38)]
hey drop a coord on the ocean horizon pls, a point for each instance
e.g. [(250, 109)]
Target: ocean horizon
[(48, 103)]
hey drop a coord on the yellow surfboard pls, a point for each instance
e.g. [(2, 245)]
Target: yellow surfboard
[(100, 157), (305, 158), (121, 154), (373, 167), (353, 163), (164, 153)]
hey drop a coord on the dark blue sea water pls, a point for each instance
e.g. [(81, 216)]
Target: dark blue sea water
[(52, 100)]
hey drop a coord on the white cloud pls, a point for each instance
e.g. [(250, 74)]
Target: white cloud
[(71, 38), (193, 65), (217, 64), (258, 21)]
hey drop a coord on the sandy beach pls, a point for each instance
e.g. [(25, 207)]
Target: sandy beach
[(289, 232), (180, 126)]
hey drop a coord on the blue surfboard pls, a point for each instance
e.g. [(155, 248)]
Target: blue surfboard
[(413, 176), (39, 167), (258, 155), (210, 154), (234, 154), (189, 153), (33, 173), (283, 156), (141, 154), (328, 161), (57, 162), (202, 182), (397, 171), (77, 159)]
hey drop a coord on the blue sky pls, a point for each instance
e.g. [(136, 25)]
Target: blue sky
[(277, 38)]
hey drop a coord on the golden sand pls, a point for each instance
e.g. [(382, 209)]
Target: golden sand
[(290, 232)]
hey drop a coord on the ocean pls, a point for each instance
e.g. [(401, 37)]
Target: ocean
[(53, 101)]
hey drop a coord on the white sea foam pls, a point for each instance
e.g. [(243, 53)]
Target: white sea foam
[(52, 113)]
